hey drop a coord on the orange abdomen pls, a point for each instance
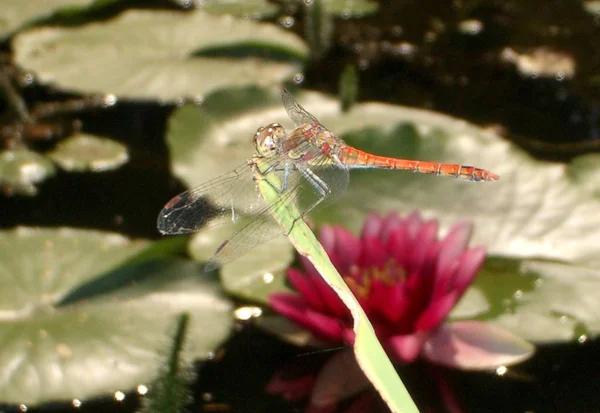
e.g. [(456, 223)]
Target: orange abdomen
[(355, 158)]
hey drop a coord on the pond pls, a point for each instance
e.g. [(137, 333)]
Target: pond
[(113, 108)]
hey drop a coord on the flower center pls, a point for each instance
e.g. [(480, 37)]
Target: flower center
[(360, 279)]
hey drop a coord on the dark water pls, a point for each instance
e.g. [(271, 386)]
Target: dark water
[(449, 71)]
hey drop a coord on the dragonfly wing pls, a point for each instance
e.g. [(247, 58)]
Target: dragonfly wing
[(225, 199), (297, 113), (259, 230), (303, 188)]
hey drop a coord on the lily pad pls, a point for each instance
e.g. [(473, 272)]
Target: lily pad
[(253, 276), (166, 55), (82, 153), (585, 171), (255, 9), (17, 13), (79, 323), (535, 213), (21, 170)]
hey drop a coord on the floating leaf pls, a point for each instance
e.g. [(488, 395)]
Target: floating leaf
[(21, 170), (17, 13), (160, 54), (536, 212), (82, 153), (253, 276), (78, 323), (255, 9), (585, 171)]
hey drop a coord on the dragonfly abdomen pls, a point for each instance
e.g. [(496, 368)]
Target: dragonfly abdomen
[(355, 159)]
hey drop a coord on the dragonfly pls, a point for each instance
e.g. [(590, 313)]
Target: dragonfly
[(307, 166)]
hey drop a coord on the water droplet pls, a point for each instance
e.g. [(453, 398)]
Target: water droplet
[(268, 277), (76, 403), (560, 76), (299, 78), (518, 294), (22, 407), (287, 21), (582, 339), (471, 27), (119, 396), (501, 370), (247, 312), (109, 100), (363, 64), (27, 79), (308, 2), (430, 36), (405, 49), (142, 389), (207, 397)]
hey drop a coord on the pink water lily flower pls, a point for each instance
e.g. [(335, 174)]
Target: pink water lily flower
[(407, 280)]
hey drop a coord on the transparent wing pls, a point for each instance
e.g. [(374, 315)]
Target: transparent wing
[(233, 196), (307, 186), (297, 113), (260, 229), (224, 199)]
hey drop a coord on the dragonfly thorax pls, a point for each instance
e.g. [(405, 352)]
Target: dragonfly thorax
[(267, 139)]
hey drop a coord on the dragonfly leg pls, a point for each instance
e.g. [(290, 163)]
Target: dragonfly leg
[(270, 168), (286, 174), (320, 186)]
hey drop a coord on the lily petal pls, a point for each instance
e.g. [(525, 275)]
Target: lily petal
[(372, 225), (347, 246), (406, 348), (303, 284), (327, 238), (292, 389), (470, 263), (454, 244), (390, 224), (475, 345)]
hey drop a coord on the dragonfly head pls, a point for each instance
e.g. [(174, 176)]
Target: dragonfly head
[(267, 139)]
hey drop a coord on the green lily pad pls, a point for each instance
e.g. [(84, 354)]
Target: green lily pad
[(83, 153), (254, 275), (166, 55), (79, 323), (535, 213), (21, 170), (585, 171), (255, 9), (560, 302), (17, 13)]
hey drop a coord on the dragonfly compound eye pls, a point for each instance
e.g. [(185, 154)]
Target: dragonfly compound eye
[(268, 139)]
